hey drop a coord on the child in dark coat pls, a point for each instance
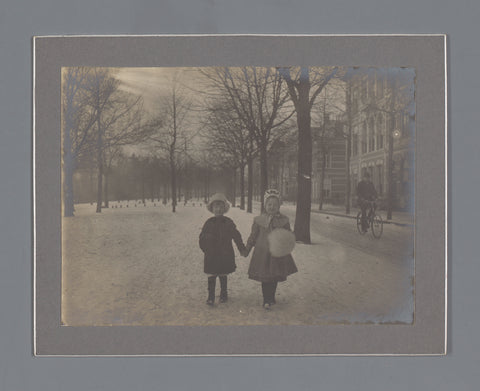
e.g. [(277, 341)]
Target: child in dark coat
[(273, 241), (216, 243)]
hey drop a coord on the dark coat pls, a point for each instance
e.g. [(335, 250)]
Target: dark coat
[(366, 191), (263, 266), (216, 242)]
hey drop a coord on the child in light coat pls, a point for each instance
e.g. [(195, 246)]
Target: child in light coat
[(273, 242)]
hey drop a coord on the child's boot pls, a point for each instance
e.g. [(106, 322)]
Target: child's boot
[(211, 290), (223, 289), (266, 295), (274, 290)]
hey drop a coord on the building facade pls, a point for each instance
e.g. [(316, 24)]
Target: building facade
[(381, 120), (329, 150), (283, 169), (379, 124)]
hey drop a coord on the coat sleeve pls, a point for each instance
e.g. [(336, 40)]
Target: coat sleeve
[(203, 239), (252, 239), (237, 238)]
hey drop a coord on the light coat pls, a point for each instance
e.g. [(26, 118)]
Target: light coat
[(263, 266)]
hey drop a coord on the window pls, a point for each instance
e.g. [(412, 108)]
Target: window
[(379, 86), (327, 187), (379, 141), (354, 144), (329, 160), (371, 86), (380, 132), (363, 89), (371, 135), (364, 138), (379, 180), (355, 99)]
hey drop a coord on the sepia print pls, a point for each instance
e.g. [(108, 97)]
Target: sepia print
[(144, 149), (239, 195)]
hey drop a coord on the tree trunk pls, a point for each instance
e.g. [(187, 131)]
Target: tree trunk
[(173, 176), (282, 174), (263, 172), (304, 175), (207, 186), (68, 203), (242, 186), (250, 185), (152, 188), (348, 189), (107, 176), (234, 195), (165, 194), (68, 166), (100, 167), (179, 183), (348, 184), (250, 177), (322, 180), (186, 190)]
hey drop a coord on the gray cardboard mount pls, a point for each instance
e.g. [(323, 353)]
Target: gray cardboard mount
[(425, 53)]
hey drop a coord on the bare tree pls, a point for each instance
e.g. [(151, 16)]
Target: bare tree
[(304, 85), (226, 135), (171, 130), (77, 122), (118, 119), (259, 101), (331, 104)]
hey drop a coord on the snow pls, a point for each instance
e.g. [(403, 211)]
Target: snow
[(141, 265)]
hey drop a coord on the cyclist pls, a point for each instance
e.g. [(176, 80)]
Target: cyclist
[(366, 194)]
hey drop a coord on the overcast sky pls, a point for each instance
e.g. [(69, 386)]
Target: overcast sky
[(153, 83)]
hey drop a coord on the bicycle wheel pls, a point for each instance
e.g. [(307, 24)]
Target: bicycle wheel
[(377, 226), (359, 224)]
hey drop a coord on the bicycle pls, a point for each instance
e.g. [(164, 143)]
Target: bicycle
[(374, 220)]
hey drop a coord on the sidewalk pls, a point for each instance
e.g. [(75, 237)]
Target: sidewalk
[(398, 218)]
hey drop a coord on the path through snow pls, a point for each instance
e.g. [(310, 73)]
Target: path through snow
[(141, 265)]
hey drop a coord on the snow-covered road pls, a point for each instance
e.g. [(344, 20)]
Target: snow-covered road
[(141, 265)]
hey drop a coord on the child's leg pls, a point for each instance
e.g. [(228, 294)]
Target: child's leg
[(211, 289), (223, 289), (274, 290), (265, 292), (267, 289)]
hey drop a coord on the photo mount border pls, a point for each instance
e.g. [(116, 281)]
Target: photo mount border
[(425, 53)]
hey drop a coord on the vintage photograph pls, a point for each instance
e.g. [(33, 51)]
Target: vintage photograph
[(238, 196)]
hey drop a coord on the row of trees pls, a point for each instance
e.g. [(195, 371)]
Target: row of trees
[(250, 108), (229, 124), (145, 178), (98, 120)]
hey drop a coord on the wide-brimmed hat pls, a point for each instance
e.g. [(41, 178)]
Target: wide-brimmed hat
[(218, 197), (272, 193)]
